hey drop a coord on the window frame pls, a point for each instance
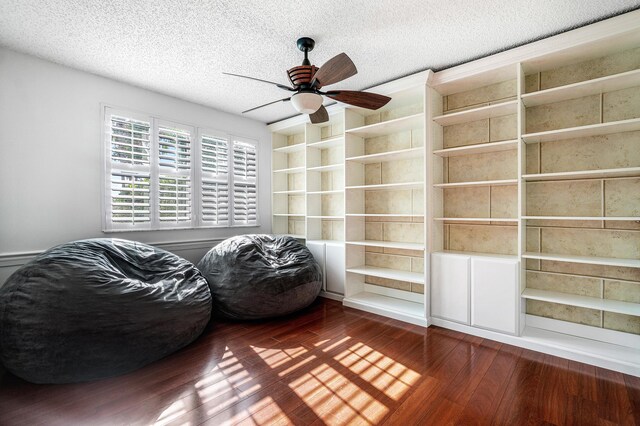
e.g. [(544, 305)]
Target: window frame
[(154, 170)]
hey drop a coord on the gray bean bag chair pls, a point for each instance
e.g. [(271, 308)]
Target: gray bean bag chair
[(260, 276), (97, 308)]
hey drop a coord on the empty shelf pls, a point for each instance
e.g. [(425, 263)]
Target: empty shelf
[(628, 218), (585, 174), (477, 149), (290, 170), (475, 114), (389, 156), (410, 122), (392, 274), (608, 305), (389, 186), (327, 143), (328, 168), (479, 183), (385, 303), (290, 148), (630, 125), (610, 261), (388, 244), (477, 219), (596, 86)]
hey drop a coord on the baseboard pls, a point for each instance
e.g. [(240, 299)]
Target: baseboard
[(332, 296), (613, 357)]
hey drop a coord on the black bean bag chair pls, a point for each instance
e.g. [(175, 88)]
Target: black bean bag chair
[(97, 308), (260, 276)]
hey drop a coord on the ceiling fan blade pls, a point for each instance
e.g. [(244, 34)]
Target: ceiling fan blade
[(336, 69), (360, 99), (270, 103), (320, 116), (281, 86)]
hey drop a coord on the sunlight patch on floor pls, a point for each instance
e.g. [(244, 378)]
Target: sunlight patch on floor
[(330, 394), (171, 413), (384, 373)]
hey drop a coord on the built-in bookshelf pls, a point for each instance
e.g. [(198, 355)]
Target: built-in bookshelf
[(385, 206), (581, 178), (325, 180), (474, 164), (499, 198), (539, 160), (288, 161)]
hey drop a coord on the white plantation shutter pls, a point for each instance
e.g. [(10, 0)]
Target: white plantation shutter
[(128, 183), (164, 175), (130, 197), (245, 205), (129, 140), (174, 177), (215, 180)]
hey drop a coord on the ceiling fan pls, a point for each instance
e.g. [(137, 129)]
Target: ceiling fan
[(307, 80)]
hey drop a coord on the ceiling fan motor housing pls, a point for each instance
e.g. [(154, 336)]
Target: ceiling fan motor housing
[(302, 74)]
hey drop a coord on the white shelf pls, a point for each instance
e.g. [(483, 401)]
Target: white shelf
[(479, 183), (292, 192), (389, 186), (392, 274), (328, 168), (473, 253), (608, 355), (582, 301), (477, 149), (475, 114), (585, 88), (384, 215), (326, 217), (325, 241), (290, 170), (477, 219), (327, 143), (287, 215), (389, 127), (598, 218), (290, 148), (388, 244), (333, 191), (388, 156), (385, 303), (584, 174), (607, 261), (630, 125)]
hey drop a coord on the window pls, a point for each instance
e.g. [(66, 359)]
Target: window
[(245, 210), (166, 175)]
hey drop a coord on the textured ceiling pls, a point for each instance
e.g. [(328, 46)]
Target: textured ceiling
[(181, 48)]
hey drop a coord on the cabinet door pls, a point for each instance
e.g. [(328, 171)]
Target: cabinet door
[(335, 267), (450, 287), (494, 294), (318, 252)]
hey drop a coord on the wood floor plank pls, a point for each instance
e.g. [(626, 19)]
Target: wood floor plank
[(334, 365)]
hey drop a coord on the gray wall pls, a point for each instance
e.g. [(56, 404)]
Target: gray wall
[(51, 139)]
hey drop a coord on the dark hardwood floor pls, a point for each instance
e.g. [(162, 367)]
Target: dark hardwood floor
[(335, 365)]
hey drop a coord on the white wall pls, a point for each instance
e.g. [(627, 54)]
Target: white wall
[(51, 140)]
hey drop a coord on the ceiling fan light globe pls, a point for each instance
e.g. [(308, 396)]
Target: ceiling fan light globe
[(306, 103)]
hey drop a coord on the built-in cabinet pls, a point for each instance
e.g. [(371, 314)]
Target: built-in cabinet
[(499, 198), (480, 291)]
